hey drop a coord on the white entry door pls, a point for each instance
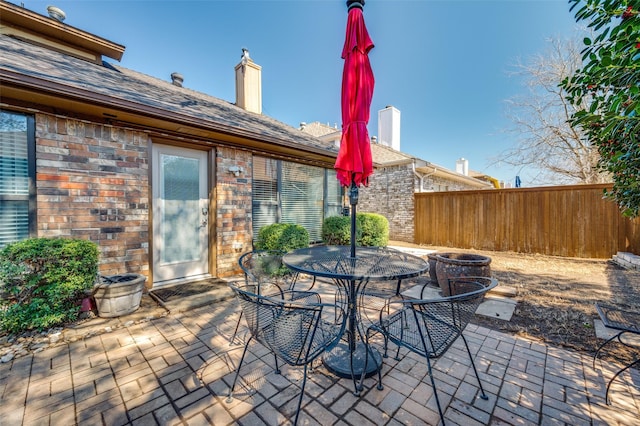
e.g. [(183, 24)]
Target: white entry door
[(180, 214)]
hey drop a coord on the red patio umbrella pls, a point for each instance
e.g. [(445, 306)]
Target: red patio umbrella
[(354, 163)]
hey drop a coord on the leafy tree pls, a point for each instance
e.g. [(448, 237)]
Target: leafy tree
[(546, 141), (611, 76)]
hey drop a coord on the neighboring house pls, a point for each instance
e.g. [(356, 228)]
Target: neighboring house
[(170, 182), (397, 176)]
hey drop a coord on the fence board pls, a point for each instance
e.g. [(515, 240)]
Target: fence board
[(572, 221)]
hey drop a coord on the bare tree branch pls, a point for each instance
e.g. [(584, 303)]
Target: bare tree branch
[(544, 139)]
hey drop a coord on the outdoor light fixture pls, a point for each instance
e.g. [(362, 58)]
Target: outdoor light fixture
[(236, 170)]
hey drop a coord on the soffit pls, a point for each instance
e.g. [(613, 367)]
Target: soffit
[(31, 22)]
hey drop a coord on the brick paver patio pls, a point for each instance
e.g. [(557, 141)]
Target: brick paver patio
[(176, 370)]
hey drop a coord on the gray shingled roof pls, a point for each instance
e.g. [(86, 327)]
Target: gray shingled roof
[(125, 84)]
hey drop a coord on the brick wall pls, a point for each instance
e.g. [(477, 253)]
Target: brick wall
[(433, 183), (233, 216), (390, 193), (92, 183)]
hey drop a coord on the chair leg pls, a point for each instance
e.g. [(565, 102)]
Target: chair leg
[(235, 332), (475, 370), (233, 385), (304, 382), (435, 391), (602, 346), (606, 395), (275, 357)]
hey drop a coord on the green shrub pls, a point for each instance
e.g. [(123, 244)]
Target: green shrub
[(336, 230), (375, 230), (282, 237), (42, 281), (372, 230)]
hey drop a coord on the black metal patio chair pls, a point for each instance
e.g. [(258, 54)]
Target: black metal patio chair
[(297, 333), (265, 271), (429, 327), (626, 322)]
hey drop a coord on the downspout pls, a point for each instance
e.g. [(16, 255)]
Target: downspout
[(421, 176)]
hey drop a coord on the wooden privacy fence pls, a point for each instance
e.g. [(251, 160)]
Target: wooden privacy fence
[(572, 221)]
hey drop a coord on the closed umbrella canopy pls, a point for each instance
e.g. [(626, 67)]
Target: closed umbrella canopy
[(354, 163)]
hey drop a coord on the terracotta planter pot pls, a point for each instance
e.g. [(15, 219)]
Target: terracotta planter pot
[(455, 265)]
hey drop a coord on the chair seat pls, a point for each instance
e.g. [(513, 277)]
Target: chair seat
[(297, 338), (405, 328)]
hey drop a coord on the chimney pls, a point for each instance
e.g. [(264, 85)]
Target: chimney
[(249, 84), (177, 79), (462, 166), (389, 127)]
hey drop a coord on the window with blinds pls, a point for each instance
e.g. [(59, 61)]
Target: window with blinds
[(287, 192), (265, 200), (16, 169)]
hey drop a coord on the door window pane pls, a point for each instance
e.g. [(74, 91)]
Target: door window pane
[(179, 193)]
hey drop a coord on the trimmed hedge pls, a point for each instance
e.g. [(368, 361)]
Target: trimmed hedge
[(282, 237), (43, 280), (372, 230)]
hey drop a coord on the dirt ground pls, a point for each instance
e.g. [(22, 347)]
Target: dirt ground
[(556, 296)]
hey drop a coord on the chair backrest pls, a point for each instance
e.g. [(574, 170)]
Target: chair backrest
[(441, 321), (264, 267), (295, 332)]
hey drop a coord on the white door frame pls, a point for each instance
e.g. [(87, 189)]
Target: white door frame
[(180, 224)]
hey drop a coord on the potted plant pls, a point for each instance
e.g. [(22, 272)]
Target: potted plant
[(117, 295), (455, 265)]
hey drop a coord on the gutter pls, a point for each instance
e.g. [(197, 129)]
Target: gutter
[(420, 176)]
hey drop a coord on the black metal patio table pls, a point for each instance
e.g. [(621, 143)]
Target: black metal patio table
[(352, 275)]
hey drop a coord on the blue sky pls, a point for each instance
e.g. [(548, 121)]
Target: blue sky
[(443, 63)]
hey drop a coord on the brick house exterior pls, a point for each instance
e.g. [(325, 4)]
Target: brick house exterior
[(96, 126), (397, 176)]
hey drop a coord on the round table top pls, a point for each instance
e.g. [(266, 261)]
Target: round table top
[(370, 263)]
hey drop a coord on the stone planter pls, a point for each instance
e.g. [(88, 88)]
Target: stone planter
[(117, 295), (455, 265)]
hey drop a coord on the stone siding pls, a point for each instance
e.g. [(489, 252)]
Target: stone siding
[(390, 193), (92, 183)]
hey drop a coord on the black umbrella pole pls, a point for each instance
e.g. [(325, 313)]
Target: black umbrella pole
[(353, 199)]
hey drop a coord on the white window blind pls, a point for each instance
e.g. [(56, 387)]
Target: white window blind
[(265, 203), (303, 197), (14, 171), (14, 177), (287, 192), (334, 195)]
